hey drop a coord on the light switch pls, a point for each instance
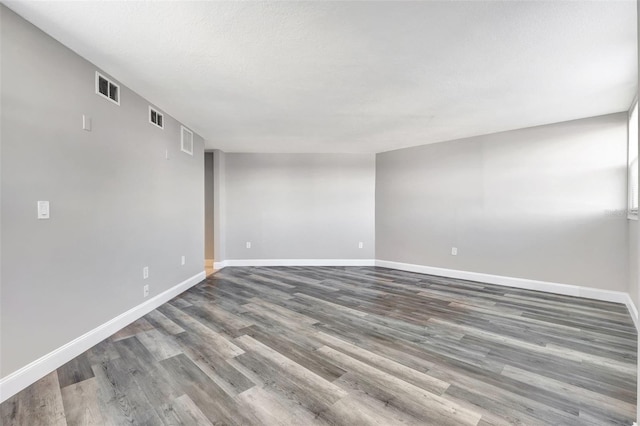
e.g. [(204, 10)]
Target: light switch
[(43, 210), (86, 123)]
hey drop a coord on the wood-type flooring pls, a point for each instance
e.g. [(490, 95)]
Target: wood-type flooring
[(349, 346)]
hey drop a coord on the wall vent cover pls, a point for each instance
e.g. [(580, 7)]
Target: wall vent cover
[(155, 117), (186, 140), (107, 88)]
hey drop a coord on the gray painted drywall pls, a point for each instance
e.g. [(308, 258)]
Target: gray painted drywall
[(219, 206), (117, 204), (634, 230), (634, 233), (633, 240), (543, 203), (300, 206), (633, 261), (209, 248)]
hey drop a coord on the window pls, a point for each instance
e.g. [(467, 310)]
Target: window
[(107, 88), (186, 140), (632, 159), (156, 117)]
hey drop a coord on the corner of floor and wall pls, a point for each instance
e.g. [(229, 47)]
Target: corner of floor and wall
[(506, 208), (122, 195), (509, 205)]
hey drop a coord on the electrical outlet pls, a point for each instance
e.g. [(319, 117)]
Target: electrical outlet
[(145, 290), (145, 272), (360, 244), (248, 244), (183, 260), (454, 251)]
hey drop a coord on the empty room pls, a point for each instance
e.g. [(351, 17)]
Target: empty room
[(319, 213)]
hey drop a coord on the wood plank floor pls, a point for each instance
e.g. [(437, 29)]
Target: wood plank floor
[(349, 346)]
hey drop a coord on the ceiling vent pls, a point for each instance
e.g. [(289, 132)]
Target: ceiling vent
[(107, 88), (156, 117), (186, 140)]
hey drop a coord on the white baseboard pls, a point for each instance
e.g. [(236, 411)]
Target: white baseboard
[(633, 311), (208, 263), (15, 382), (298, 262), (523, 283), (219, 265)]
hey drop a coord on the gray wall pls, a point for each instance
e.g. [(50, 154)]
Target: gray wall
[(634, 242), (634, 233), (219, 206), (544, 203), (117, 204), (633, 262), (300, 206), (209, 248)]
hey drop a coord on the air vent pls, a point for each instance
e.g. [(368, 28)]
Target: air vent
[(155, 117), (186, 140), (107, 88)]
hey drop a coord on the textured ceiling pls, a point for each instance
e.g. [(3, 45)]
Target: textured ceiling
[(357, 76)]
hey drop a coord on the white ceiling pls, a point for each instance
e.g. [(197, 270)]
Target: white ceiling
[(357, 76)]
